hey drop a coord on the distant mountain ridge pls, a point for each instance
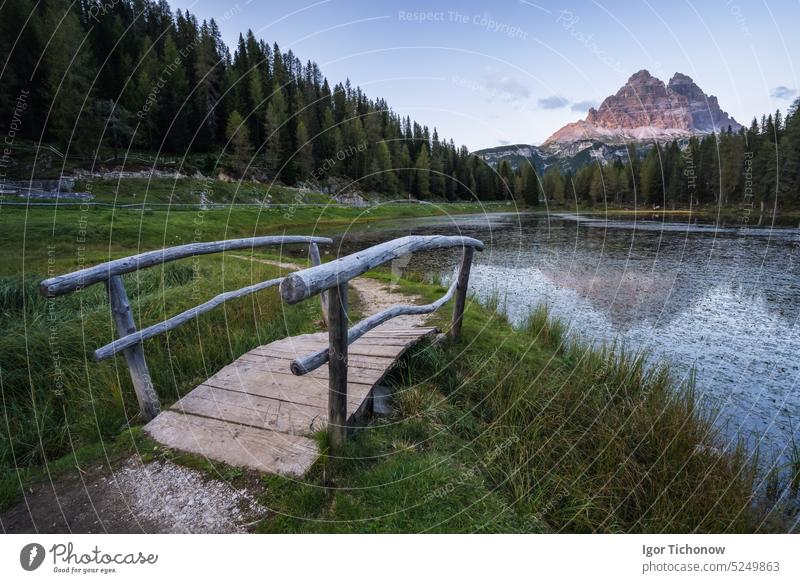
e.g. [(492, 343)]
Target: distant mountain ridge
[(645, 109)]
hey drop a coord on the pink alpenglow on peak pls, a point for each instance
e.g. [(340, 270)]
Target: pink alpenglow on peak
[(647, 109)]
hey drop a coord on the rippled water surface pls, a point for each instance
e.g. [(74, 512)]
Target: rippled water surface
[(722, 299)]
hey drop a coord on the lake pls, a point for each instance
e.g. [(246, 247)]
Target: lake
[(722, 299)]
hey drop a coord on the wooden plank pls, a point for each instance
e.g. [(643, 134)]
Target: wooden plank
[(361, 372), (308, 282), (304, 364), (280, 362), (246, 409), (285, 387), (376, 350), (396, 341), (257, 393), (56, 286), (235, 445)]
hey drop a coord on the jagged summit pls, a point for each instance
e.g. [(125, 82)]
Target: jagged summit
[(645, 108)]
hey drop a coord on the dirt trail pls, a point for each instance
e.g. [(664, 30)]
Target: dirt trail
[(373, 295), (160, 497)]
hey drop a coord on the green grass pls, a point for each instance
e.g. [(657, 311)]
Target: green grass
[(512, 430), (55, 398), (528, 430)]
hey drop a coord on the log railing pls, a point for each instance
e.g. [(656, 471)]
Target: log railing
[(330, 279), (129, 340)]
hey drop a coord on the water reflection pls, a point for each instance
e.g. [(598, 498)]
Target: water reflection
[(718, 297), (721, 298)]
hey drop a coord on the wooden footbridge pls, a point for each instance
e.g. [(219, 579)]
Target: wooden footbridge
[(261, 410)]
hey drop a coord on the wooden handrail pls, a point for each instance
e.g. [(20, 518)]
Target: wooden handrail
[(69, 282), (306, 364), (330, 279), (308, 282), (121, 344), (129, 340)]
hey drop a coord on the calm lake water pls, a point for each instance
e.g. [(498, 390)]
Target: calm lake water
[(722, 299)]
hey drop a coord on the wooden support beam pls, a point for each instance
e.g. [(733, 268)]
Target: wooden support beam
[(313, 250), (134, 355), (461, 294), (337, 365)]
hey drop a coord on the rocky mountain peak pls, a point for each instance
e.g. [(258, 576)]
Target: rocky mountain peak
[(645, 109)]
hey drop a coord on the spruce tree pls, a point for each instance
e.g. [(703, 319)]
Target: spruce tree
[(422, 174)]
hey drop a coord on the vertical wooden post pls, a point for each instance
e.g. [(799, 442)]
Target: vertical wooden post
[(134, 356), (323, 297), (461, 294), (337, 365)]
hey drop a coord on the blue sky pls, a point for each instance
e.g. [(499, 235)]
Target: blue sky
[(514, 71)]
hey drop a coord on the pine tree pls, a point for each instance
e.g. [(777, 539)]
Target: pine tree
[(172, 113), (305, 157), (530, 185), (650, 178), (422, 174), (273, 128), (239, 139), (386, 177), (553, 185), (597, 189), (67, 70)]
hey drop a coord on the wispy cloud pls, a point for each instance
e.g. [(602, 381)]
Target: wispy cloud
[(553, 102), (782, 92), (583, 105), (504, 87), (503, 142)]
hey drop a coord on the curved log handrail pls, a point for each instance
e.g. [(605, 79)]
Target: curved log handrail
[(69, 282), (306, 364), (130, 339), (303, 284), (124, 342), (330, 279)]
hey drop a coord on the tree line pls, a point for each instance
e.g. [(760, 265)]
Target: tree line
[(758, 165), (105, 79)]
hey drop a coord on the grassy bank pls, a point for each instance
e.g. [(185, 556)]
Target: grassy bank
[(526, 430), (63, 238), (513, 430), (55, 399)]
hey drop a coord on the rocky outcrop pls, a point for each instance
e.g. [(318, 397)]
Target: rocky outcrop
[(647, 109)]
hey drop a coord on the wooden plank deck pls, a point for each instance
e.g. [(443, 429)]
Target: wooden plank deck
[(255, 413)]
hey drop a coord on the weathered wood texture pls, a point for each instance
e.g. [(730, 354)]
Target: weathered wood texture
[(134, 338), (308, 282), (462, 283), (313, 250), (254, 413), (306, 364), (134, 355), (337, 365), (59, 285)]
